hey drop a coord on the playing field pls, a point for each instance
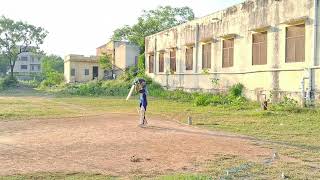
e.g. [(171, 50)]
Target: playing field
[(96, 138)]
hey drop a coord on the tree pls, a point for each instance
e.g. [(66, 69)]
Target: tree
[(17, 37), (105, 62), (153, 21), (4, 64), (52, 63)]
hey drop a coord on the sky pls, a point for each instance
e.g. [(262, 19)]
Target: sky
[(80, 26)]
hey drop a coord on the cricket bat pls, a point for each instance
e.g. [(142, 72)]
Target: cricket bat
[(130, 92)]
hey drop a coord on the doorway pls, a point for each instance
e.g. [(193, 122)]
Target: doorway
[(95, 72)]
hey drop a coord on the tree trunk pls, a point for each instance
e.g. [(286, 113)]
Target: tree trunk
[(11, 70)]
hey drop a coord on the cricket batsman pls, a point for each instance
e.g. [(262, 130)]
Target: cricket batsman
[(140, 87)]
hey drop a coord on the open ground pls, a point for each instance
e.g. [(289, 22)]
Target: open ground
[(47, 137)]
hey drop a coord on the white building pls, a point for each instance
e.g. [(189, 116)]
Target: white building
[(27, 65)]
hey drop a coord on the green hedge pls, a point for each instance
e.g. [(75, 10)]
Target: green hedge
[(121, 88)]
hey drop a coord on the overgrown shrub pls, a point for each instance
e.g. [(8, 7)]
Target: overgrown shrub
[(121, 86), (8, 82), (52, 78), (30, 83), (236, 90), (98, 88), (287, 104)]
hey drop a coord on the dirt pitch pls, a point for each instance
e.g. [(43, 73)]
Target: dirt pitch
[(113, 144)]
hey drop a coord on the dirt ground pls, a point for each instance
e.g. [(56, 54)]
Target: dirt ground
[(113, 144)]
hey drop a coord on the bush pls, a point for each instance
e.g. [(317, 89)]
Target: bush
[(8, 82), (30, 83), (52, 78), (287, 104), (121, 87), (236, 90), (98, 88)]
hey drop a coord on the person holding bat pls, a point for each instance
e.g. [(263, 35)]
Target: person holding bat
[(140, 87)]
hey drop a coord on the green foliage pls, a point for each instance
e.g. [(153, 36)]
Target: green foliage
[(8, 82), (105, 62), (141, 65), (129, 74), (30, 83), (98, 88), (236, 90), (17, 37), (4, 64), (51, 79), (52, 71), (153, 21), (287, 104), (52, 63), (121, 86)]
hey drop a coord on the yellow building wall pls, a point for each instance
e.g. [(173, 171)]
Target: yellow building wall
[(80, 63), (239, 20)]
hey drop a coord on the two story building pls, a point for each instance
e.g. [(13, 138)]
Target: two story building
[(27, 65), (79, 68), (270, 46)]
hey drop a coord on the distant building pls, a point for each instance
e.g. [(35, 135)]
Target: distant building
[(28, 65), (270, 46), (124, 54), (78, 68)]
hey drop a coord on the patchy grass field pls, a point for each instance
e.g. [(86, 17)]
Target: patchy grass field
[(294, 136)]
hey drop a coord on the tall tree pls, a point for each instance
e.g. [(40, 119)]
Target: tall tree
[(52, 63), (153, 21), (17, 37), (4, 64)]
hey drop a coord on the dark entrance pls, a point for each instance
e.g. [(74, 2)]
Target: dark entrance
[(95, 72)]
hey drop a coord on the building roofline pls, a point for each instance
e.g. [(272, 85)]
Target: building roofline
[(199, 18)]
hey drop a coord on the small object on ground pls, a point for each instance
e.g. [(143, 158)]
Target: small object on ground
[(148, 159), (135, 159), (275, 155), (283, 176), (189, 120)]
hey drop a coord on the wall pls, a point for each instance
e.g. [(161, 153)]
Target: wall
[(80, 63), (31, 60), (132, 53), (239, 21)]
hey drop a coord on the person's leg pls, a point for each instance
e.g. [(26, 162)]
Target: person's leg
[(142, 115), (145, 120)]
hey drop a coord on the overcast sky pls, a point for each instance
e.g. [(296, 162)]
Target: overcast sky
[(79, 26)]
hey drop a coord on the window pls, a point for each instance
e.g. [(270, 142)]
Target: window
[(151, 60), (295, 43), (73, 72), (86, 72), (206, 56), (227, 55), (173, 66), (24, 58), (161, 62), (24, 67), (259, 48), (189, 58)]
